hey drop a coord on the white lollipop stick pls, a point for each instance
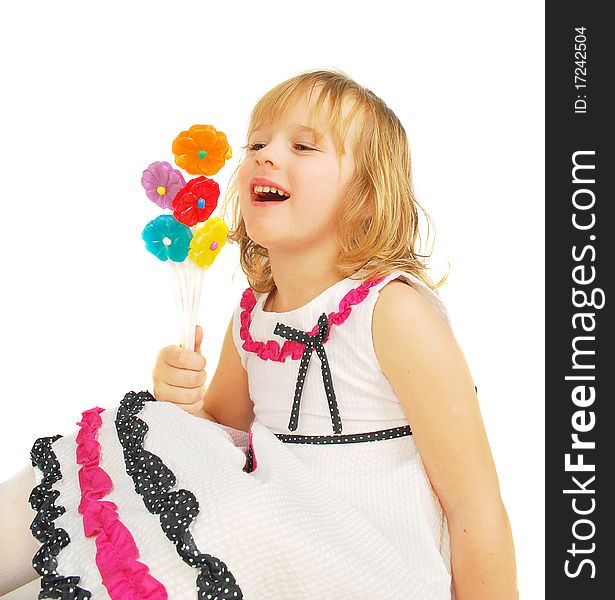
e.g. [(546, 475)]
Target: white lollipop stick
[(193, 305), (187, 286), (198, 286), (190, 302), (186, 307), (180, 281), (175, 279)]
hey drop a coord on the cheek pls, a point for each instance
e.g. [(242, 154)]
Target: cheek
[(243, 180), (242, 173), (324, 193)]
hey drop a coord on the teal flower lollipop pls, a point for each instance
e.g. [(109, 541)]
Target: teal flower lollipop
[(166, 238)]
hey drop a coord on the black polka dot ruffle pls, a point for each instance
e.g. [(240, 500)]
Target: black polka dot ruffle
[(176, 509), (311, 342), (43, 501)]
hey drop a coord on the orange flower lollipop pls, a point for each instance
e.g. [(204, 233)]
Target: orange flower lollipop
[(202, 150)]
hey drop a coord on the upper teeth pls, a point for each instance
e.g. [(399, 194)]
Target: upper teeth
[(263, 189)]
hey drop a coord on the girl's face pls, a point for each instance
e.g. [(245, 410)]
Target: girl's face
[(288, 157)]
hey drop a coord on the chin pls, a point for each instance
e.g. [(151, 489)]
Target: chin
[(277, 241), (263, 236), (279, 238)]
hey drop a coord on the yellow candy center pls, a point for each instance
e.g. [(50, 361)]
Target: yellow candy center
[(161, 190)]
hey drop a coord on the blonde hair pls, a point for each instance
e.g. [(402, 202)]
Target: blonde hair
[(378, 222)]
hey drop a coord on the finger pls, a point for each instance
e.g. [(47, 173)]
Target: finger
[(193, 409), (184, 378), (185, 398), (198, 339), (196, 408), (178, 357)]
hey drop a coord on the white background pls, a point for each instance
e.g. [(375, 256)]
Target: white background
[(92, 94)]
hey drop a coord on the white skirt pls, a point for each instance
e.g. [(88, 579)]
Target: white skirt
[(356, 521)]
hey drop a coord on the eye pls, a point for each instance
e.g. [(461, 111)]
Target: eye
[(256, 146)]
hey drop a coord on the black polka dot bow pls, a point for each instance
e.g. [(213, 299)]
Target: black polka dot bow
[(312, 342)]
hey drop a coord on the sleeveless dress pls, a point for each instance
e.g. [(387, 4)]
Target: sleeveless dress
[(325, 497)]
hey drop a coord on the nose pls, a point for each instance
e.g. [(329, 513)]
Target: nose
[(262, 161), (265, 155)]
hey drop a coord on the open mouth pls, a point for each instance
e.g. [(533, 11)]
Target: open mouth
[(268, 194)]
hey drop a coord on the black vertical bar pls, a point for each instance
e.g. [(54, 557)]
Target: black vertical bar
[(580, 234)]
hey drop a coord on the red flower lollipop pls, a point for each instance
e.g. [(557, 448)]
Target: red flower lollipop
[(196, 201)]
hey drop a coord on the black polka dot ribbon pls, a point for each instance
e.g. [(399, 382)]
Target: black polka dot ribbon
[(311, 342), (349, 438)]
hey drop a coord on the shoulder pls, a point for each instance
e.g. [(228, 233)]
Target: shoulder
[(402, 309), (397, 293), (411, 339)]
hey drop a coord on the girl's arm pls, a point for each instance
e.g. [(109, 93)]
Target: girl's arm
[(227, 398), (17, 545), (420, 357)]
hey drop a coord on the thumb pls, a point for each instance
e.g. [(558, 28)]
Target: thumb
[(198, 339)]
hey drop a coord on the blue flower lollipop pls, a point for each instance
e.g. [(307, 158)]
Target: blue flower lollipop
[(166, 238)]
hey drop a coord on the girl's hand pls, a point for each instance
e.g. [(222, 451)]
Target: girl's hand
[(179, 376)]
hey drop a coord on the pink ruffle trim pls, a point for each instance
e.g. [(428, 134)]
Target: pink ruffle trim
[(116, 552), (271, 349)]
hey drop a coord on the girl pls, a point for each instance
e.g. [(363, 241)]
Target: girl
[(361, 472), (327, 225)]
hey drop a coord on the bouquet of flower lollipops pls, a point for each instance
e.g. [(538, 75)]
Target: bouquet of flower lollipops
[(188, 238)]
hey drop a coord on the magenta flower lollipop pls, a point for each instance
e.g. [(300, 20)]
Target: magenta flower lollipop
[(162, 182)]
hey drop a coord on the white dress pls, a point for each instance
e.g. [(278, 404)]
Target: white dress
[(326, 497)]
